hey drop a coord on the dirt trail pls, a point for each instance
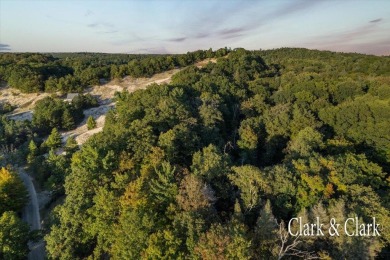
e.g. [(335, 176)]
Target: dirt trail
[(32, 217)]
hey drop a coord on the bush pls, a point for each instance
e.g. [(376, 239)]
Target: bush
[(91, 123)]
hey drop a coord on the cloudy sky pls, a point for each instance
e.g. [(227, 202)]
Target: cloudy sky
[(174, 26)]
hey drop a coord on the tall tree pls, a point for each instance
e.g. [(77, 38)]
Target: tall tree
[(14, 235), (54, 139), (13, 194), (68, 122)]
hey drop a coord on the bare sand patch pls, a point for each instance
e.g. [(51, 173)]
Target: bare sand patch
[(22, 101), (105, 93), (202, 63)]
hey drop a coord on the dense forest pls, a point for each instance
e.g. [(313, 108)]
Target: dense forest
[(210, 166)]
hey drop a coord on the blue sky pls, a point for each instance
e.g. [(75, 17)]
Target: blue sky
[(170, 26)]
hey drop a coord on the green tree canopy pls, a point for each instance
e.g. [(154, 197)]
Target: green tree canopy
[(13, 194), (14, 235), (54, 139), (91, 123)]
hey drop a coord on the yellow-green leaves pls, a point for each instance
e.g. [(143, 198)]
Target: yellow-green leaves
[(13, 194)]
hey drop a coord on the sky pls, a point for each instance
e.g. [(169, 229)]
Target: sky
[(179, 26)]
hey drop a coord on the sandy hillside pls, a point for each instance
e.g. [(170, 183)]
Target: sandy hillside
[(202, 63), (23, 102), (105, 93)]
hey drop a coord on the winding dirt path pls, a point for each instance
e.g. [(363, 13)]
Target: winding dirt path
[(32, 217)]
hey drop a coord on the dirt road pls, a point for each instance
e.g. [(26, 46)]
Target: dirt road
[(32, 217)]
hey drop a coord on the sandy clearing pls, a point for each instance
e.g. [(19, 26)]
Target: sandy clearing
[(22, 101), (105, 93), (81, 133), (202, 63)]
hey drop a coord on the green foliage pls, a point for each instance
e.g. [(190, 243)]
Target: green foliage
[(13, 133), (71, 145), (210, 163), (13, 194), (72, 72), (364, 120), (208, 166), (82, 184), (91, 123), (163, 188), (84, 101), (131, 234), (213, 167), (53, 112), (54, 140), (250, 133), (26, 79), (163, 245), (14, 235), (32, 152), (6, 108), (209, 110), (305, 143), (265, 233), (68, 122), (221, 242), (58, 168), (251, 184)]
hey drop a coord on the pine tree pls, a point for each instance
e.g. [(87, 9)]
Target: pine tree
[(32, 152), (54, 139), (68, 120), (265, 235), (91, 123), (71, 145)]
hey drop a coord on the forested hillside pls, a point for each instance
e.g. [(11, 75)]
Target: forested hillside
[(211, 166), (214, 165)]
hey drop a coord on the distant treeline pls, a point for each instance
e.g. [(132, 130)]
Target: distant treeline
[(72, 72)]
